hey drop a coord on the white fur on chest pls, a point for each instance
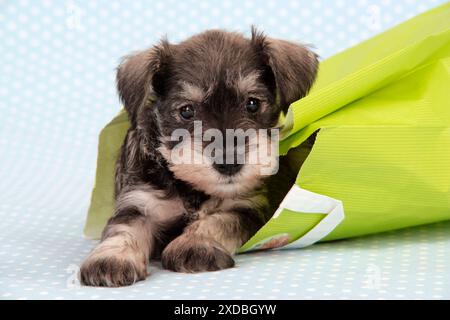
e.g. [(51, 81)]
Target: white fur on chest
[(216, 205), (158, 208), (152, 203)]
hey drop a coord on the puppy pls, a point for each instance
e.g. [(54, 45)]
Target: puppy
[(194, 215)]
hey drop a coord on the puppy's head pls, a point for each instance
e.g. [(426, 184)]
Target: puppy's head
[(211, 84)]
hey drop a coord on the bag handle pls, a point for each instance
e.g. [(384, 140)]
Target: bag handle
[(304, 201)]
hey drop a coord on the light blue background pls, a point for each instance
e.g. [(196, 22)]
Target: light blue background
[(57, 72)]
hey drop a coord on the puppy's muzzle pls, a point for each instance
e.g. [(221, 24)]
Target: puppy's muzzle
[(229, 161)]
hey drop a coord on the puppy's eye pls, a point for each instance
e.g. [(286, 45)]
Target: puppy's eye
[(187, 112), (252, 105)]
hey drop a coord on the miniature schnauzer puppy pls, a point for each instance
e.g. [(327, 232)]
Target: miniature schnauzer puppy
[(194, 216)]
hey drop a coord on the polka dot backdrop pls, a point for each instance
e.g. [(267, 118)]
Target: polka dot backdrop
[(57, 91)]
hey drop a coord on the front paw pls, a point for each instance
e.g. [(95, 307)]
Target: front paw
[(111, 272), (190, 253)]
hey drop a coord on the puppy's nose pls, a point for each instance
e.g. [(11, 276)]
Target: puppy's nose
[(228, 169)]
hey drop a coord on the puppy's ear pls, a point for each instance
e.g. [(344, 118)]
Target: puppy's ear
[(142, 75), (293, 65)]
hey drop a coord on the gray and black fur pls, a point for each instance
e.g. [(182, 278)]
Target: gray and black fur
[(193, 218)]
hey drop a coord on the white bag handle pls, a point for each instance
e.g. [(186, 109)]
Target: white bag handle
[(304, 201)]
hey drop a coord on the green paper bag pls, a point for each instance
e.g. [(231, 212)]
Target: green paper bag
[(380, 114)]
